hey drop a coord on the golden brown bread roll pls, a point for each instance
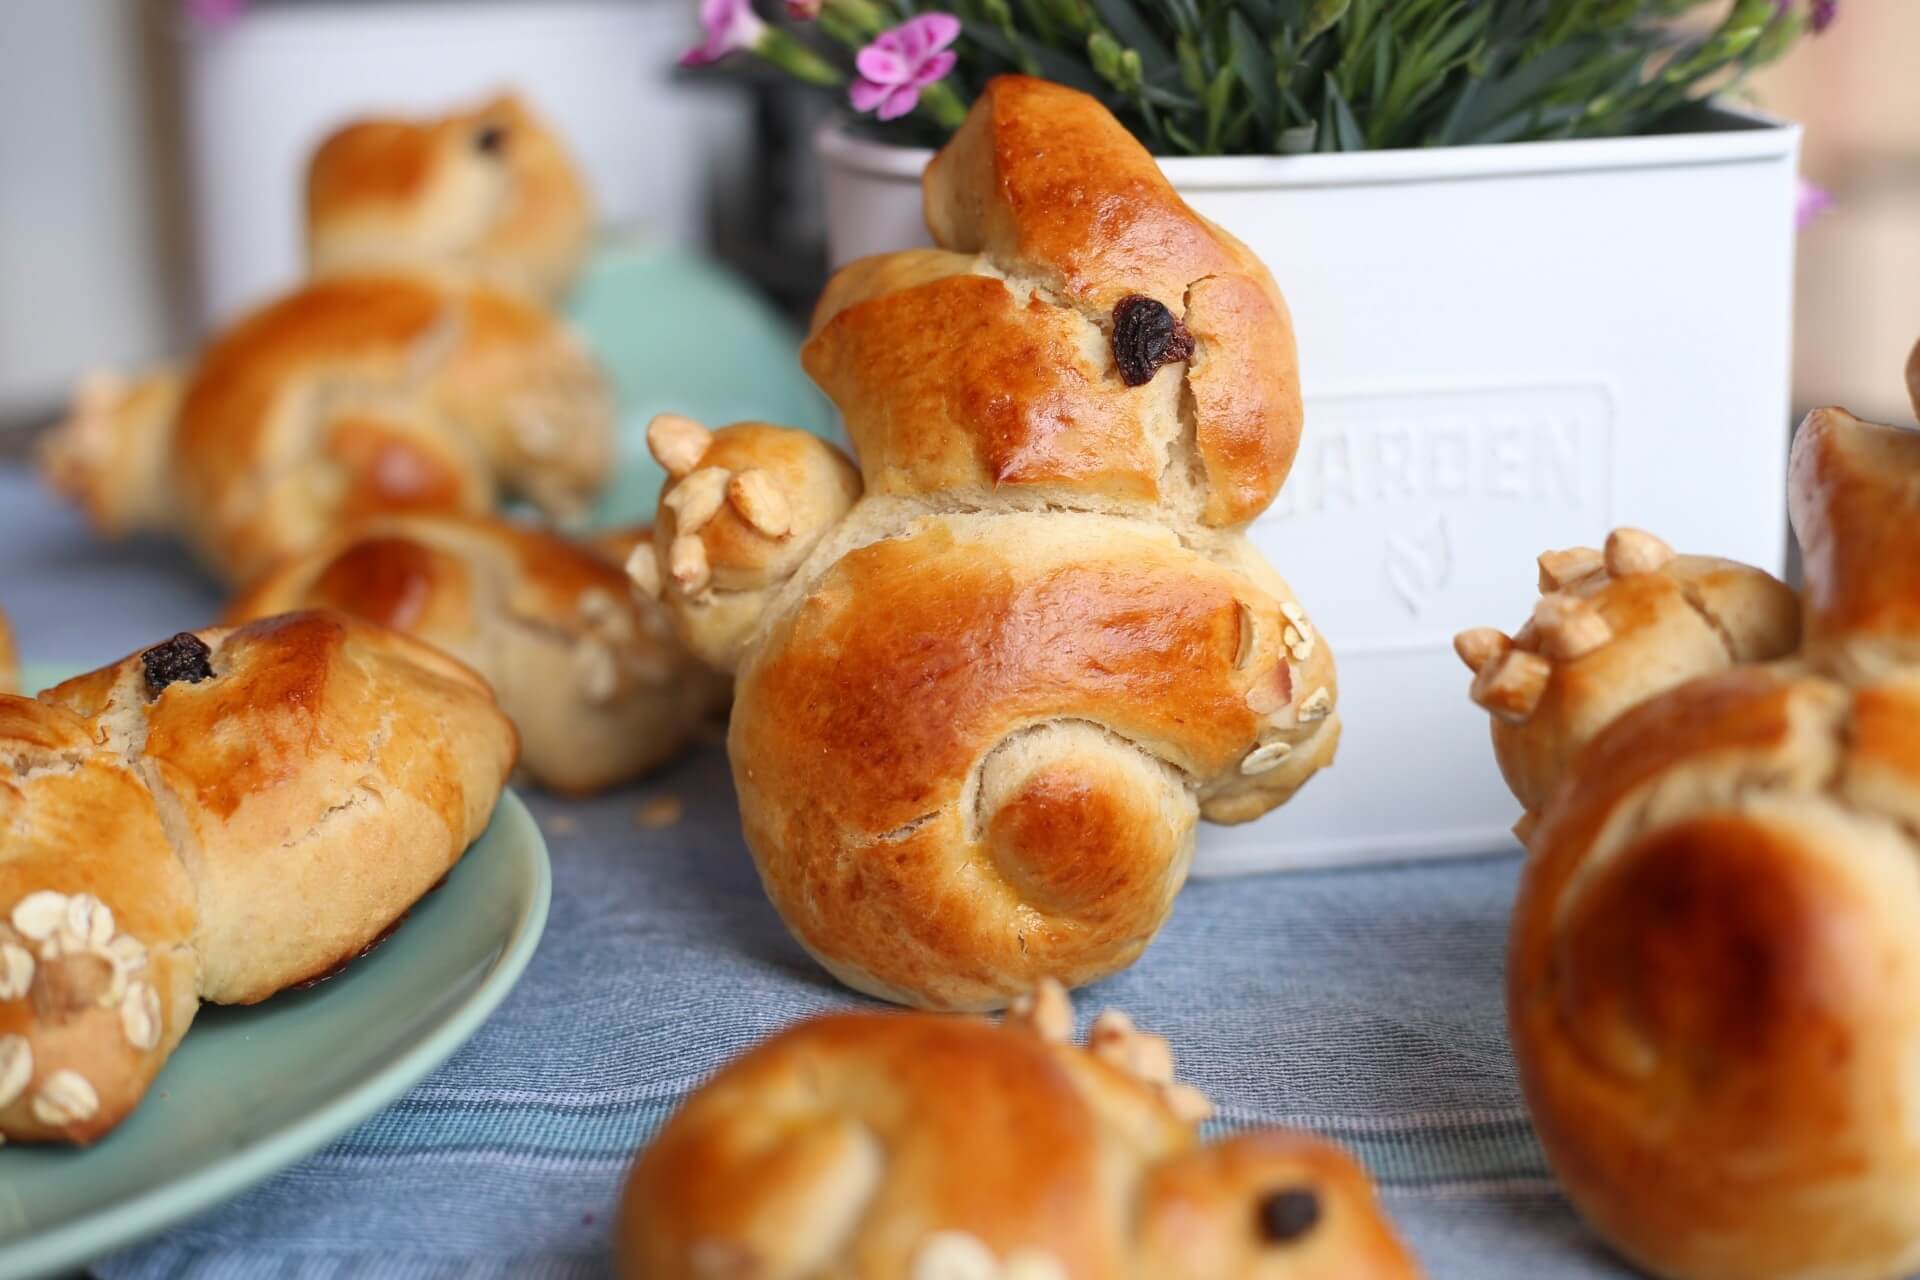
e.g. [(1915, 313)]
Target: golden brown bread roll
[(1713, 954), (1711, 976), (1853, 489), (352, 396), (489, 190), (216, 818), (591, 676), (981, 708), (917, 1147), (1913, 378), (1613, 628)]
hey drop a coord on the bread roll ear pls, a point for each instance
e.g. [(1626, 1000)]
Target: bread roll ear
[(1081, 336), (1853, 490), (1913, 378)]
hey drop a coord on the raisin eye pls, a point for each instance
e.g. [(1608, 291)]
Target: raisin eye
[(1287, 1215), (185, 657), (491, 140), (1145, 336)]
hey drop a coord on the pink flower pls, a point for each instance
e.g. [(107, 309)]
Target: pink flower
[(731, 25), (214, 14), (1812, 202), (901, 62), (803, 10)]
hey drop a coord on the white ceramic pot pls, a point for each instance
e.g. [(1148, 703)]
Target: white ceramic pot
[(261, 93), (1503, 349)]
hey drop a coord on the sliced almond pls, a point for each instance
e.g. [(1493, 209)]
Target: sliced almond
[(140, 1016), (1187, 1103), (1481, 645), (1569, 627), (65, 1097), (38, 916), (1563, 568), (1512, 687), (643, 571), (696, 499), (757, 496), (687, 563), (1631, 551), (1047, 1011), (16, 1068), (677, 442), (1261, 759), (16, 971)]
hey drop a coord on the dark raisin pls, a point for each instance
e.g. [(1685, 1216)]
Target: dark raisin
[(185, 657), (1287, 1215), (491, 140), (1145, 336)]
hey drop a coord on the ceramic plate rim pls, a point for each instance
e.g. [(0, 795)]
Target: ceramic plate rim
[(89, 1237)]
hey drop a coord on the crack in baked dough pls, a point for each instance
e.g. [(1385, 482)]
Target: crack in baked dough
[(1690, 592)]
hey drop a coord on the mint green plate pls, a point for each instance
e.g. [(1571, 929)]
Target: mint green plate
[(252, 1090)]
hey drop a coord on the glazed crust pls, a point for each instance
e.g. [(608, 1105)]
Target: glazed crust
[(590, 675), (1067, 691), (352, 396), (1854, 492), (1705, 951), (988, 684), (854, 1145), (219, 839), (489, 190)]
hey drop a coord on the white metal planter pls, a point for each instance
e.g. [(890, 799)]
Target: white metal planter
[(1503, 349)]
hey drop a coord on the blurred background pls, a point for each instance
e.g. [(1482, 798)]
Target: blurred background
[(150, 164)]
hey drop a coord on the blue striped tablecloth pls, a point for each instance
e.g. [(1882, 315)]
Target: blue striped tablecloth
[(1364, 1005)]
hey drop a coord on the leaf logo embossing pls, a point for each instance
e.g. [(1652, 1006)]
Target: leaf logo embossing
[(1420, 565)]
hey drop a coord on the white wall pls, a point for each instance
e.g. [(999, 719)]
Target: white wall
[(85, 278)]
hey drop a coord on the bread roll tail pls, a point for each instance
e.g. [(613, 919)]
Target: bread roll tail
[(109, 456)]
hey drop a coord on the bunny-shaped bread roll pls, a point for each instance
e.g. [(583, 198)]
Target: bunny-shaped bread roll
[(916, 1147), (592, 676), (490, 191), (1714, 949), (216, 818), (355, 395), (984, 699)]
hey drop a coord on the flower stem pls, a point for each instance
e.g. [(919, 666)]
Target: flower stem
[(796, 59), (944, 105)]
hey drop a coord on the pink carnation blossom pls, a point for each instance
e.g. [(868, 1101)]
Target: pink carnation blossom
[(1812, 202), (731, 26), (901, 62), (215, 13)]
